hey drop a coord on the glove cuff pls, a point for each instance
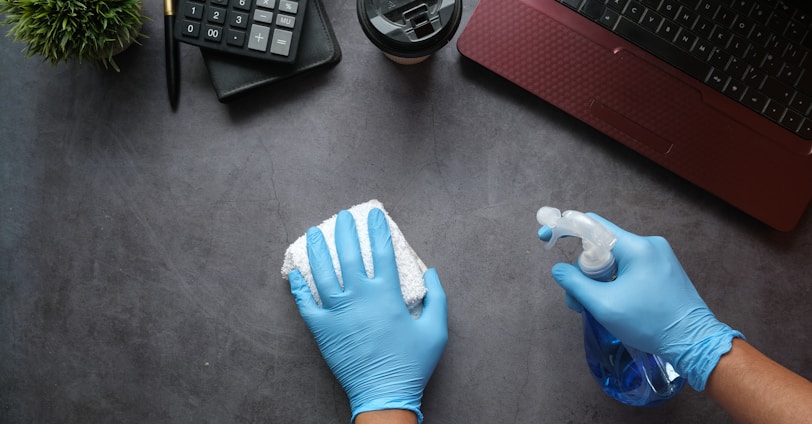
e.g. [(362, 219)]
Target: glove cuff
[(697, 362), (379, 405)]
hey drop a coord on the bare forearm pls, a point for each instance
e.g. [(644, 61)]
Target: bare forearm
[(387, 416), (752, 388)]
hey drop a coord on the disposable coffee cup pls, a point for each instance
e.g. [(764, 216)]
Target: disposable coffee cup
[(409, 31)]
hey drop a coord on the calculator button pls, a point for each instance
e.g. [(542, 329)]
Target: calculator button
[(263, 16), (235, 38), (193, 11), (281, 42), (239, 20), (191, 29), (242, 4), (288, 6), (266, 4), (220, 2), (213, 33), (216, 15), (285, 21), (259, 38)]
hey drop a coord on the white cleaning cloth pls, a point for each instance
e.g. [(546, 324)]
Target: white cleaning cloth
[(410, 267)]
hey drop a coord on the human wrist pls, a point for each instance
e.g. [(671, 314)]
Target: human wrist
[(387, 416), (377, 405), (698, 361)]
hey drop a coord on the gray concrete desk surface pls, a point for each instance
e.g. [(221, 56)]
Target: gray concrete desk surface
[(139, 276)]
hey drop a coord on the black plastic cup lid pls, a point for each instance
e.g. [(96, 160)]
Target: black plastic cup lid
[(409, 28)]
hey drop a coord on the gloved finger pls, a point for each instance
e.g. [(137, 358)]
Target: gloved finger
[(301, 293), (348, 249), (321, 267), (581, 288), (545, 233), (611, 226), (383, 252), (435, 310), (574, 304)]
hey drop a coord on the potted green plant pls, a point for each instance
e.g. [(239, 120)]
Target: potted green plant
[(82, 30)]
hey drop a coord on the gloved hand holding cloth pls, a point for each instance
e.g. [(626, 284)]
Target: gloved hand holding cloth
[(382, 356)]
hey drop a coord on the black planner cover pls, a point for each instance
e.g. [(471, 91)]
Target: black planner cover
[(233, 76)]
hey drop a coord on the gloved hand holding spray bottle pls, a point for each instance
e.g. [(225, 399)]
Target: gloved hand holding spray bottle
[(631, 376)]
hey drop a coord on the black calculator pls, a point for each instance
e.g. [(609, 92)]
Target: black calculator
[(262, 29)]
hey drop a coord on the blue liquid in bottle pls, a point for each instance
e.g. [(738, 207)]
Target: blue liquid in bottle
[(632, 377)]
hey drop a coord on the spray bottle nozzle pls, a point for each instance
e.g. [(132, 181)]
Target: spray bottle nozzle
[(596, 239)]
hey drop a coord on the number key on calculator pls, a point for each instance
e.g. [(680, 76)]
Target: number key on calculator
[(262, 29)]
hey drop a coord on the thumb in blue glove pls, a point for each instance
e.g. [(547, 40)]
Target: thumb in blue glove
[(380, 354), (652, 305)]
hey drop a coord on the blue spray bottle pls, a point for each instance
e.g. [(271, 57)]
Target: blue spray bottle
[(627, 374)]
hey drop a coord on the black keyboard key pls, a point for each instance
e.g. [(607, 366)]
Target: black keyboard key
[(717, 80), (755, 100), (721, 36), (801, 103), (777, 90), (662, 49), (774, 111), (734, 89), (216, 15), (685, 40), (777, 22), (686, 17), (574, 4), (654, 4), (772, 64), (669, 8), (668, 30), (634, 11), (725, 17), (702, 49), (719, 59), (743, 6), (609, 18), (804, 85), (760, 36), (235, 38), (755, 56), (651, 21), (193, 10), (760, 13), (736, 68), (805, 131), (791, 120), (789, 74), (707, 8), (795, 55), (593, 9), (738, 46), (754, 77), (617, 5), (795, 32), (703, 28)]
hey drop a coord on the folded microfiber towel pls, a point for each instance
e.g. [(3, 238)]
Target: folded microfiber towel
[(410, 267)]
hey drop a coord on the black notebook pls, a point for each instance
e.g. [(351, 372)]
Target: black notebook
[(234, 76)]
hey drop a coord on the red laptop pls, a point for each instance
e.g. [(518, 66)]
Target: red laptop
[(717, 91)]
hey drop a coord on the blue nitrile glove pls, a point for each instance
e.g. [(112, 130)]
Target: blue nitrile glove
[(652, 305), (381, 355)]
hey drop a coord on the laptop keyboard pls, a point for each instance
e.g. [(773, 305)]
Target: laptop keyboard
[(758, 53)]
